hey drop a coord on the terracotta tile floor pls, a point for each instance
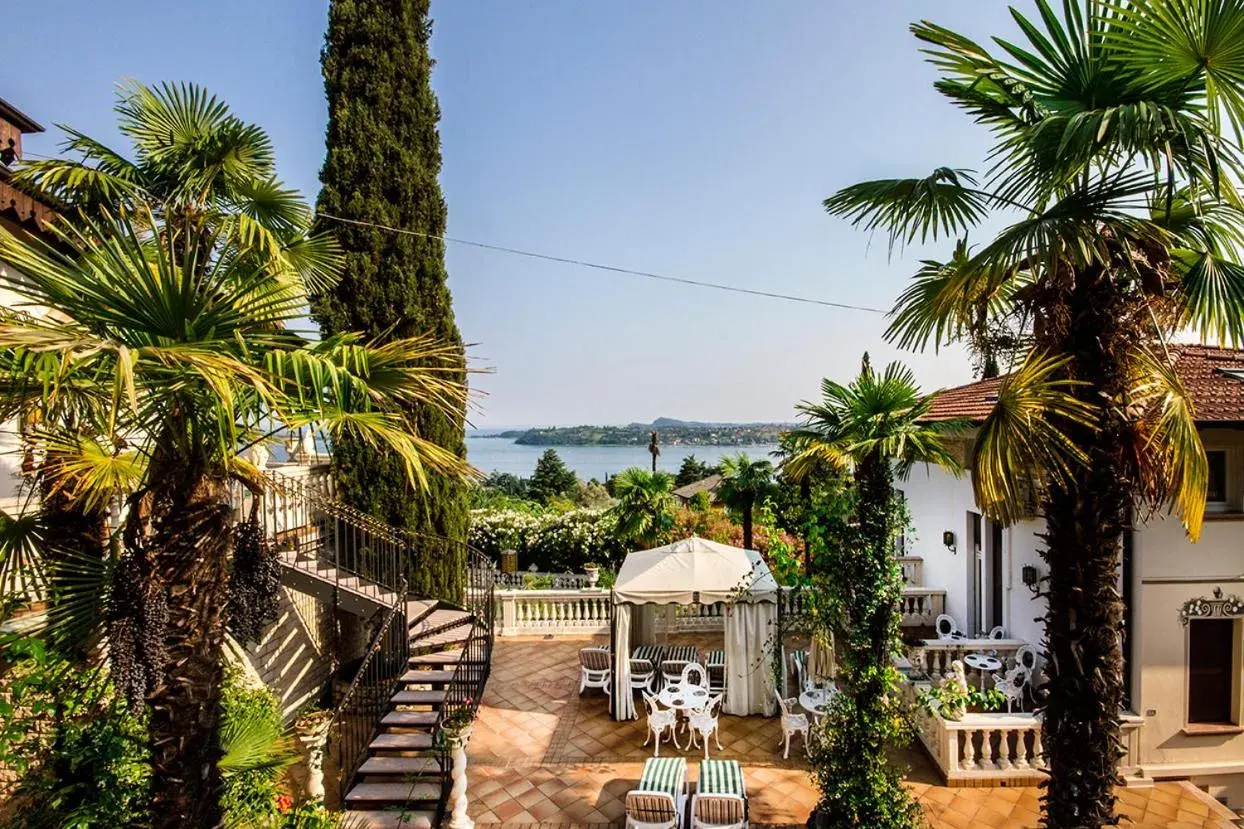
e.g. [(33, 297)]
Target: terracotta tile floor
[(540, 754)]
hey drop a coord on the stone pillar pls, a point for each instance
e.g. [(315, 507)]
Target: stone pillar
[(458, 794)]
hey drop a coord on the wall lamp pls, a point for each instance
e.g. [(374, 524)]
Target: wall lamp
[(948, 538)]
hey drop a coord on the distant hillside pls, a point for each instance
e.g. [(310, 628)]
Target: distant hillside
[(670, 432)]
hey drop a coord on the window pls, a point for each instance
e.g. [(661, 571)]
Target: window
[(1216, 492), (1212, 671)]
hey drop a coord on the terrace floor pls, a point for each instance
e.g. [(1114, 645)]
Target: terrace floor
[(541, 755)]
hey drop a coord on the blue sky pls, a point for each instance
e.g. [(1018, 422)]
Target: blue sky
[(694, 138)]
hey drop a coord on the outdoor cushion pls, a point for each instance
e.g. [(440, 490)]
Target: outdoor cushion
[(721, 777), (663, 774)]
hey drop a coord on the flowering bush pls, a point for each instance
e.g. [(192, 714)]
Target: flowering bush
[(553, 541)]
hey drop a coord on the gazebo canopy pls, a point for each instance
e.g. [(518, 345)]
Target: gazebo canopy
[(694, 571)]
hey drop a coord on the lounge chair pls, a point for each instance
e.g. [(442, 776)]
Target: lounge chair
[(595, 669), (643, 675), (660, 799), (720, 800)]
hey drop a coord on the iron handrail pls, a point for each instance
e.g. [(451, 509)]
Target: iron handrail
[(374, 648)]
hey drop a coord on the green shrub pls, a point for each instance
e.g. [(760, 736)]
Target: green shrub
[(81, 754), (553, 541), (256, 751)]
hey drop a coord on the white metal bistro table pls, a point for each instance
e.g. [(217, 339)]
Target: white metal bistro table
[(816, 700), (984, 663), (683, 697)]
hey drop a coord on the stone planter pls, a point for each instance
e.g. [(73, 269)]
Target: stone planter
[(593, 576), (313, 735)]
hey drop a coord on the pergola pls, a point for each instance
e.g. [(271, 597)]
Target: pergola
[(699, 572)]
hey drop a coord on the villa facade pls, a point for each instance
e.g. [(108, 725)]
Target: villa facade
[(1184, 646)]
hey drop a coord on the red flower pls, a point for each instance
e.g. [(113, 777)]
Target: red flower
[(284, 802)]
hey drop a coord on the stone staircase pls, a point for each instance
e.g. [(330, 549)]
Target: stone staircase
[(386, 730), (402, 780)]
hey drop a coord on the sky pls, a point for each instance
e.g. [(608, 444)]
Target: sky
[(691, 138)]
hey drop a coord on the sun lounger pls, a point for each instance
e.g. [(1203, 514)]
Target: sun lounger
[(661, 797), (720, 800)]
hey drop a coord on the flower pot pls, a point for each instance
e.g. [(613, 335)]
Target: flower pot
[(593, 575)]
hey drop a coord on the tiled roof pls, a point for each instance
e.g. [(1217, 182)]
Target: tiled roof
[(708, 485), (1214, 378)]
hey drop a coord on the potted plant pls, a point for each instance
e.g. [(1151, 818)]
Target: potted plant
[(593, 573), (456, 726), (951, 701)]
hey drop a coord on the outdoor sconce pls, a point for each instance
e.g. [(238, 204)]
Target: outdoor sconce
[(948, 538), (1029, 575)]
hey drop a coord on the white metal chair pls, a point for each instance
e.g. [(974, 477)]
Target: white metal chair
[(720, 800), (595, 669), (660, 799), (703, 721), (659, 720), (946, 627), (792, 723), (693, 673), (1013, 684), (1026, 657), (998, 632), (643, 675), (799, 663)]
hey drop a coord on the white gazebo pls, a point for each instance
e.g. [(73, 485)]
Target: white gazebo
[(690, 572)]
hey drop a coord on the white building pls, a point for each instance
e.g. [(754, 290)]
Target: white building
[(1185, 677)]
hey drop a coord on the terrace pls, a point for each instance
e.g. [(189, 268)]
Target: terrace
[(541, 755)]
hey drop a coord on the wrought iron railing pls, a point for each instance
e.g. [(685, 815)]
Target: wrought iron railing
[(356, 719), (462, 695)]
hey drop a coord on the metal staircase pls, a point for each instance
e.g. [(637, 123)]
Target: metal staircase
[(427, 660)]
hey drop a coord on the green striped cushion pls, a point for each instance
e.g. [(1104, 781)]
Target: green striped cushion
[(800, 658), (663, 774), (650, 652), (721, 777), (716, 658)]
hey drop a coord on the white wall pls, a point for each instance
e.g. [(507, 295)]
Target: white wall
[(939, 501)]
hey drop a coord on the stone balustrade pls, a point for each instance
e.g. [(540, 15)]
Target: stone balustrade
[(913, 570), (578, 612), (933, 658), (558, 612), (998, 748)]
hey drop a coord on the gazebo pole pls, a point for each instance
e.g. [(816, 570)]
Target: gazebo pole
[(613, 650)]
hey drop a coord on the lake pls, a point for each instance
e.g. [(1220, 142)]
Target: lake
[(504, 455)]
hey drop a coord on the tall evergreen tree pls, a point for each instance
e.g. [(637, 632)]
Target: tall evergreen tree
[(382, 166), (552, 478)]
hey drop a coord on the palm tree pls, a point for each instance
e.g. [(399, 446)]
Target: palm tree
[(874, 427), (645, 507), (1117, 183), (745, 483), (202, 171), (182, 358)]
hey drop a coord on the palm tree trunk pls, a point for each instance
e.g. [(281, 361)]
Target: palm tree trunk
[(1085, 521), (747, 527), (188, 535)]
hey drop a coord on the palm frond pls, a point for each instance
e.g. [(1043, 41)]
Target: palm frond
[(1171, 458), (1021, 445), (946, 203)]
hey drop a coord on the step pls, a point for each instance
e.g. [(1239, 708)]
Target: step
[(429, 677), (437, 658), (401, 766), (441, 639), (434, 698), (401, 742), (409, 719), (393, 793), (404, 819), (438, 620), (418, 610)]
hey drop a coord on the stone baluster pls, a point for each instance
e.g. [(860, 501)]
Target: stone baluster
[(988, 757), (969, 750), (1021, 749)]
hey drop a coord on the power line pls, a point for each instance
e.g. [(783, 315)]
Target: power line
[(611, 268)]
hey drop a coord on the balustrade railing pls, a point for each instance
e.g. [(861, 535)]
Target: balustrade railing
[(933, 658), (998, 747), (920, 606), (913, 570)]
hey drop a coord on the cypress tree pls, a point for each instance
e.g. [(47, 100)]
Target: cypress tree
[(382, 166)]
